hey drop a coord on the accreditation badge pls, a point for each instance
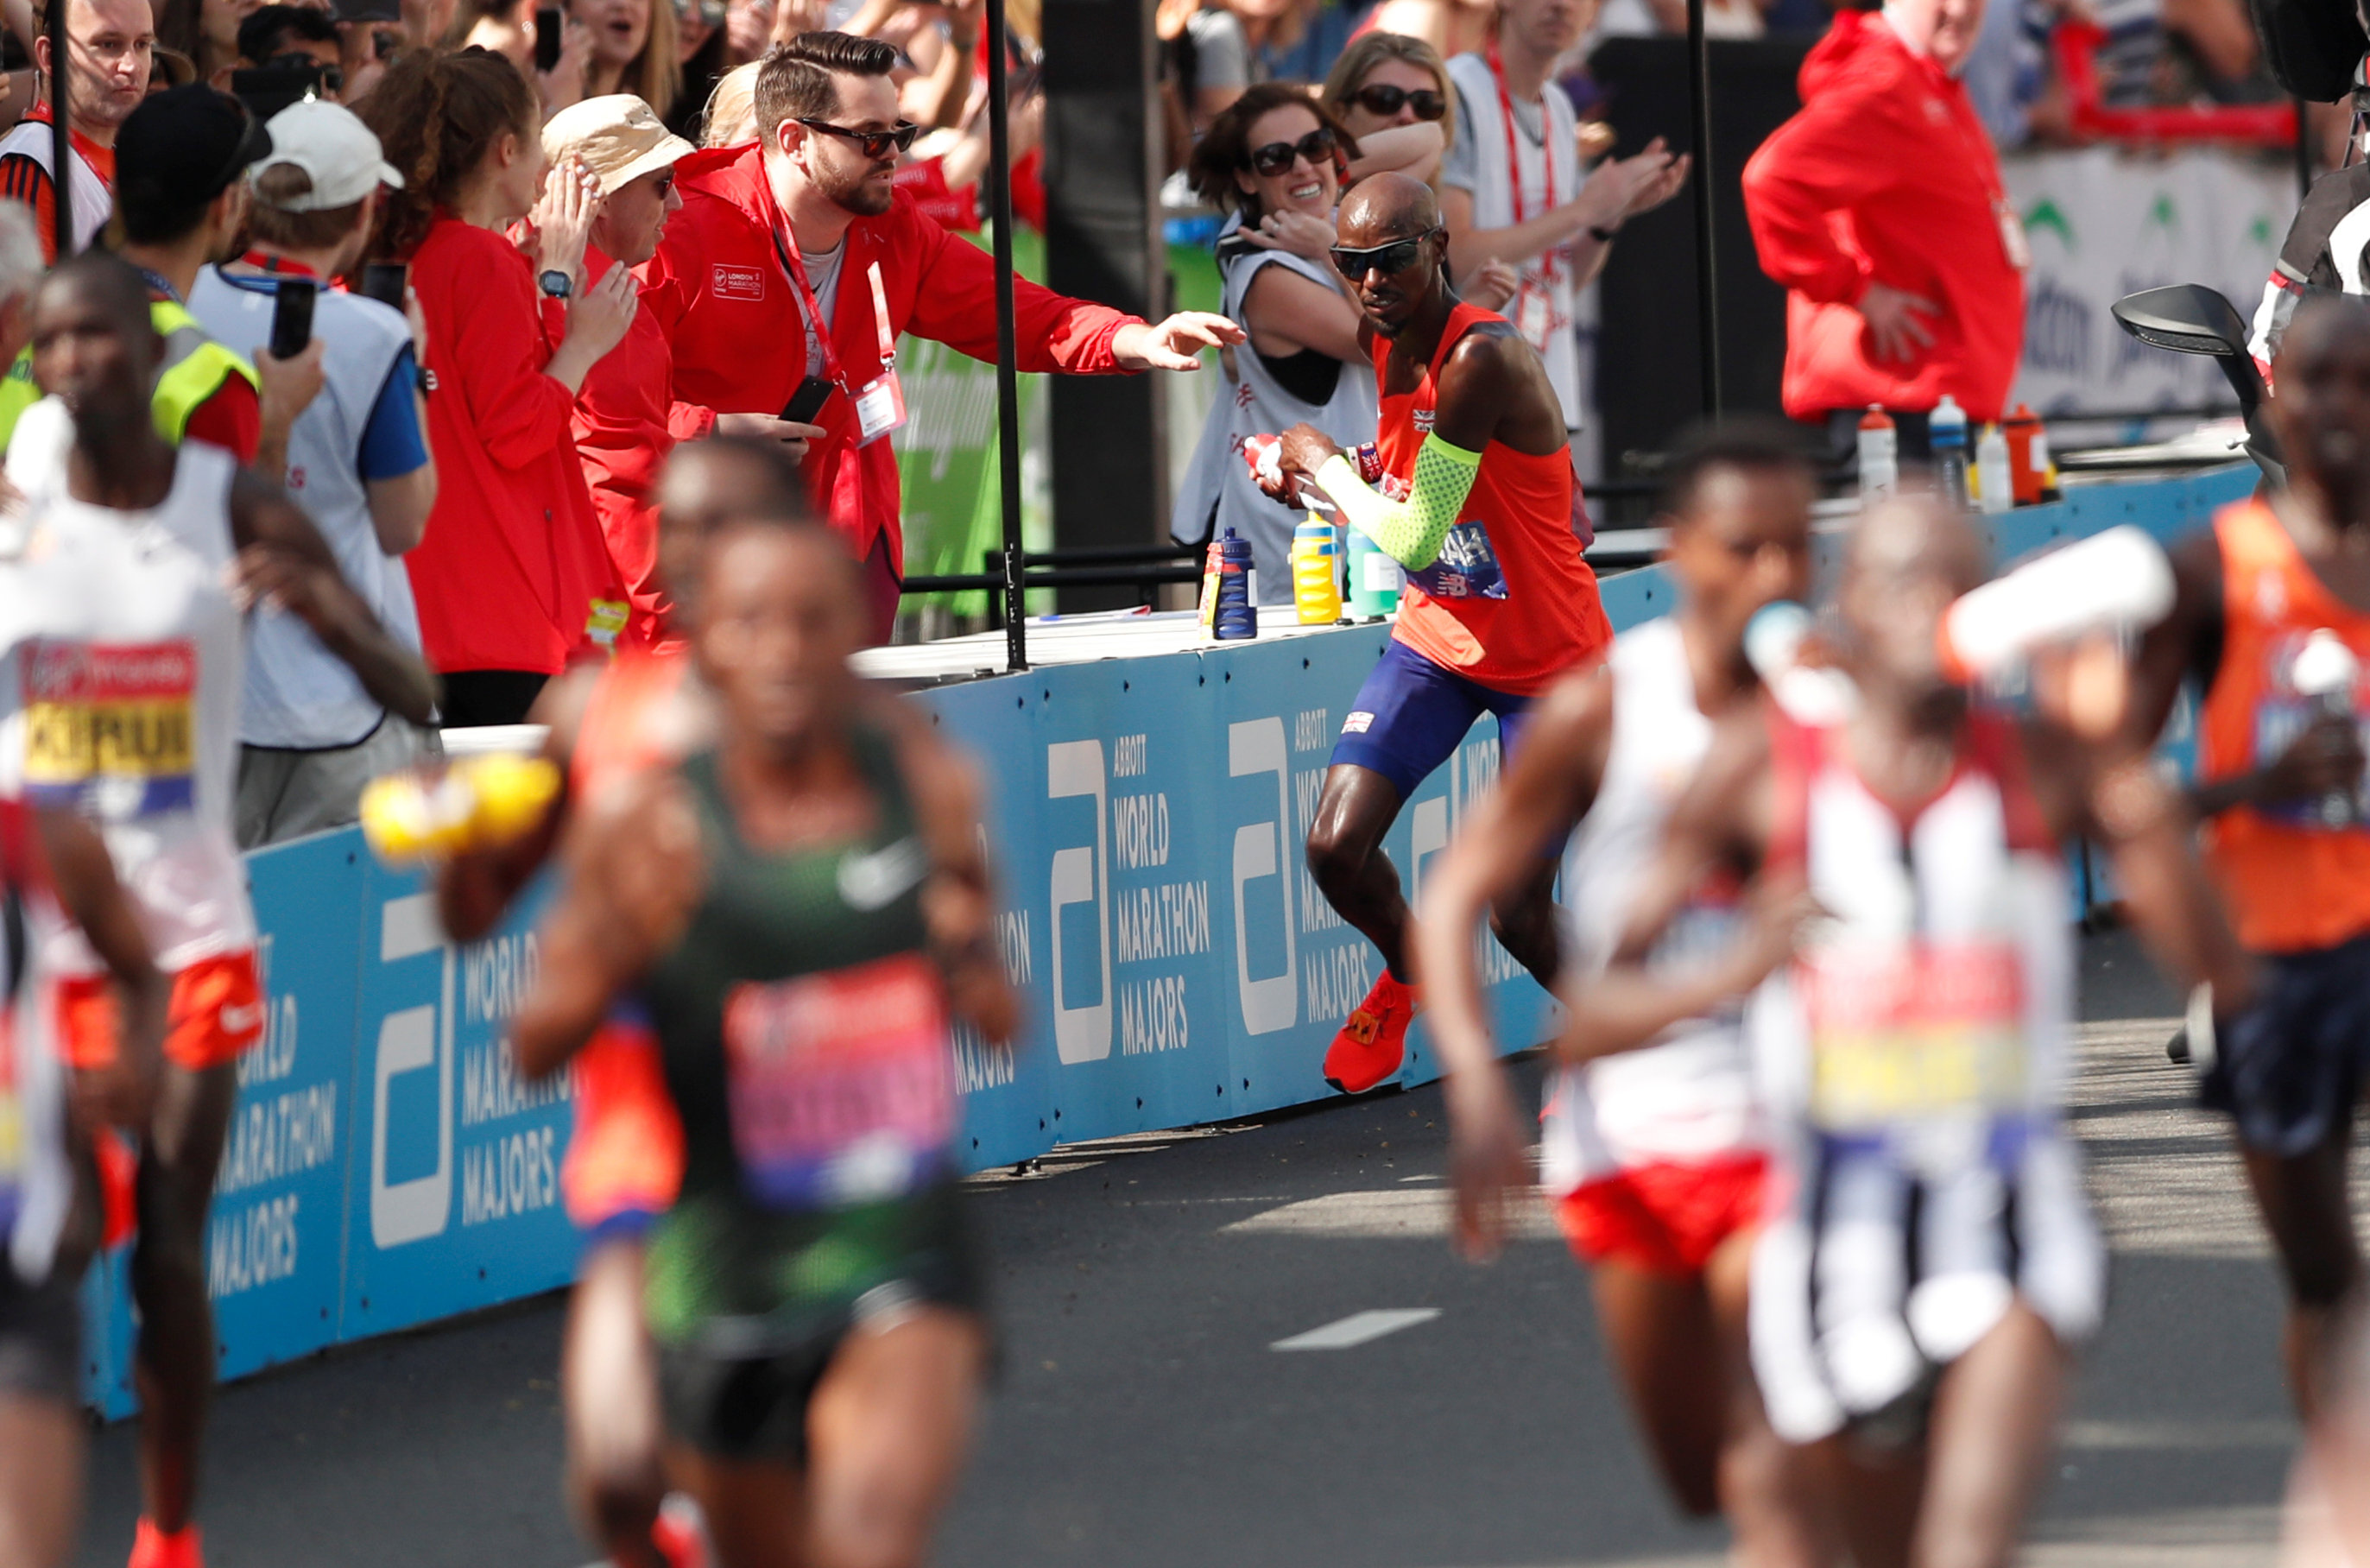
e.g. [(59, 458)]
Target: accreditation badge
[(879, 407), (2012, 240)]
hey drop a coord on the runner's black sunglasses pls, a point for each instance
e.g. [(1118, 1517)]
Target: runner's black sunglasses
[(871, 143), (1389, 259), (1385, 99), (1276, 156)]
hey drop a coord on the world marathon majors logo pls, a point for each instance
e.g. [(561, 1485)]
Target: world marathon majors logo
[(507, 1172)]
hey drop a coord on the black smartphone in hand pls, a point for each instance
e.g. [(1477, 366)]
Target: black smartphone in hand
[(808, 401), (384, 282), (547, 25), (292, 317)]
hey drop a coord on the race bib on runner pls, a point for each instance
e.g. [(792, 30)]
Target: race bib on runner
[(1467, 567), (108, 727), (842, 1088), (1901, 1036)]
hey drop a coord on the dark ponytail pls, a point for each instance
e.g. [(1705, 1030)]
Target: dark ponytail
[(436, 116)]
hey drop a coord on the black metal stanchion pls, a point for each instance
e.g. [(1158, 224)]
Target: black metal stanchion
[(1707, 278), (61, 136), (1007, 354)]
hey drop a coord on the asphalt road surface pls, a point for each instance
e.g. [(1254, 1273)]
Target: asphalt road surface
[(1144, 1420)]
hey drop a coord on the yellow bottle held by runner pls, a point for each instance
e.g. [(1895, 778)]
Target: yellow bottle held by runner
[(476, 803)]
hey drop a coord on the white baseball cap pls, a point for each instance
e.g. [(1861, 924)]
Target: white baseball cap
[(334, 148)]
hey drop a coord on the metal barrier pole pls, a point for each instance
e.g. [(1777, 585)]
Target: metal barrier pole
[(1706, 279), (1007, 353), (61, 137)]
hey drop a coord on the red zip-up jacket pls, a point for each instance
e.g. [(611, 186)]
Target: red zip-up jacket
[(625, 424), (512, 558), (1886, 175), (719, 289)]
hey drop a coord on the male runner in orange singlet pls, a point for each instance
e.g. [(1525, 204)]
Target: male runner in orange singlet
[(1476, 503), (2280, 791), (608, 724)]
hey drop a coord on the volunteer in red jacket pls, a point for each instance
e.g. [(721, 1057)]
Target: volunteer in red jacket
[(512, 579), (807, 227), (1879, 207), (627, 421)]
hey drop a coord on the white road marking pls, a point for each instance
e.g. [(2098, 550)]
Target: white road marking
[(1404, 1214), (1359, 1328)]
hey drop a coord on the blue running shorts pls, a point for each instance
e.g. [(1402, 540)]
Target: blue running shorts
[(1410, 713), (2289, 1067)]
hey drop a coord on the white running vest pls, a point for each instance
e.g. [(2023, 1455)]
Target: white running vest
[(121, 659), (1687, 1098), (93, 203), (1543, 310), (298, 693), (1257, 404)]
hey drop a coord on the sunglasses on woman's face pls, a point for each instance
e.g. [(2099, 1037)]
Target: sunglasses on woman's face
[(1276, 156), (1389, 259), (1384, 100)]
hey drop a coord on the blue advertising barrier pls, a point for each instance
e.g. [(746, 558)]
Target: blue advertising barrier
[(386, 1167)]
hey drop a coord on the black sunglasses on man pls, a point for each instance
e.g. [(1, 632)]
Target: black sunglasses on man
[(870, 143)]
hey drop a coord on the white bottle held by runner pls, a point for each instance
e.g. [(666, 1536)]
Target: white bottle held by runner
[(2118, 580)]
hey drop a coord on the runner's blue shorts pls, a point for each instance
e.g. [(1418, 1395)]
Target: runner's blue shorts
[(1411, 713), (2290, 1067)]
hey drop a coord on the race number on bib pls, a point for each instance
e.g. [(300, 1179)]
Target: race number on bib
[(108, 727), (1900, 1037), (1465, 569), (842, 1085)]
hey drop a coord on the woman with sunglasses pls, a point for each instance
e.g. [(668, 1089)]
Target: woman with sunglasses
[(1276, 158), (1384, 86)]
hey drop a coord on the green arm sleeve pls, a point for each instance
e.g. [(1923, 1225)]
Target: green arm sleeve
[(1409, 532)]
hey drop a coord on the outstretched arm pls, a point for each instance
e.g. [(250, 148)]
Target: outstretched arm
[(282, 560), (1550, 784)]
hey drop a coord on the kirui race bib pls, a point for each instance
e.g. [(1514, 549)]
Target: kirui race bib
[(1899, 1037), (108, 727), (1467, 567), (842, 1087)]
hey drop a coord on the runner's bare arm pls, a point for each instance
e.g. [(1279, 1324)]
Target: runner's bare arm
[(2146, 824), (282, 559), (1723, 819), (84, 878), (1493, 387), (958, 902), (1549, 786), (477, 885), (635, 870), (1546, 788)]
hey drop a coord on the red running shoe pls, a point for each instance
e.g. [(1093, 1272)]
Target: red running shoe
[(152, 1547), (1373, 1041)]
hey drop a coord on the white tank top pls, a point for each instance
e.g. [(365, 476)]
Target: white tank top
[(92, 201), (1929, 1014), (1258, 404), (1686, 1098), (120, 668)]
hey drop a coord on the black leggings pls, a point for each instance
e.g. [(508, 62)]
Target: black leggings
[(489, 697)]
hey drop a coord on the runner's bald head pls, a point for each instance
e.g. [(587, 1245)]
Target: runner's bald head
[(93, 344), (1385, 207), (1904, 562)]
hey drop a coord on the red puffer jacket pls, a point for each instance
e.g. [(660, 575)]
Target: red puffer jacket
[(721, 292), (1886, 176)]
